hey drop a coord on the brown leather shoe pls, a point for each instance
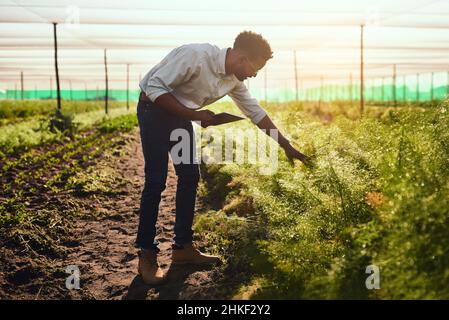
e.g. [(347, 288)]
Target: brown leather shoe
[(187, 254), (149, 268)]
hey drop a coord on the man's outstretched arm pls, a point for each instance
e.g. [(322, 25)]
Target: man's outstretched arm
[(251, 108), (266, 124)]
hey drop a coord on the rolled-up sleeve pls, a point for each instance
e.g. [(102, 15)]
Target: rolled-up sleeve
[(249, 106), (176, 68)]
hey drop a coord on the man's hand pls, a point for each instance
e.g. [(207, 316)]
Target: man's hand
[(267, 125), (292, 154), (205, 116)]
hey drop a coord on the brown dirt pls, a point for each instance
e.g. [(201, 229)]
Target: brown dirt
[(102, 246), (107, 257)]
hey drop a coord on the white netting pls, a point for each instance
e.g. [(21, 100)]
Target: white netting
[(412, 34)]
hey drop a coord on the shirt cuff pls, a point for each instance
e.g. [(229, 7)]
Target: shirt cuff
[(258, 116)]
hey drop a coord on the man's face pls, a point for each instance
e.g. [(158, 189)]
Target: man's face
[(248, 67)]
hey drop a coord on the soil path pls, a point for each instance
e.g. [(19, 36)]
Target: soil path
[(106, 256)]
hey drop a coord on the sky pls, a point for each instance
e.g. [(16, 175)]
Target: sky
[(324, 35)]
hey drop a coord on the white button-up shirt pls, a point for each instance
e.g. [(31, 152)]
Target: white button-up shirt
[(195, 75)]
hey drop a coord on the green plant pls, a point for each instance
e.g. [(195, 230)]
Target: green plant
[(62, 122), (377, 195)]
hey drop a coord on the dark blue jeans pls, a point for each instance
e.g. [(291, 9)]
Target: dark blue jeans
[(156, 125)]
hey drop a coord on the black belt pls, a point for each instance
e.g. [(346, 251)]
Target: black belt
[(144, 97)]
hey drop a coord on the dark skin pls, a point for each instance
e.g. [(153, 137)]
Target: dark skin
[(237, 63)]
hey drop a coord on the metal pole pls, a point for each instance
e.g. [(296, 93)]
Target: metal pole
[(58, 89), (404, 89), (21, 85), (321, 93), (447, 85), (71, 95), (127, 86), (351, 97), (326, 93), (394, 86), (296, 76), (362, 80), (417, 87), (432, 86), (106, 82)]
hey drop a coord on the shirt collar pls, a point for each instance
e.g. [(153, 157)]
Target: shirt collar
[(221, 61)]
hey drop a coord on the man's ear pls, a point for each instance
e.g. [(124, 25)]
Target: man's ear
[(241, 59)]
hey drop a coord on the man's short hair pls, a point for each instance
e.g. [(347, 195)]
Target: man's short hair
[(254, 45)]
